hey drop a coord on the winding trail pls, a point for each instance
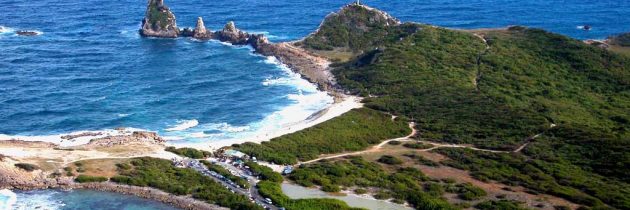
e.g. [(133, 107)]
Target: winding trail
[(434, 144)]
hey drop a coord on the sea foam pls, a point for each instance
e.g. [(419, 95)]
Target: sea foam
[(7, 199), (183, 125)]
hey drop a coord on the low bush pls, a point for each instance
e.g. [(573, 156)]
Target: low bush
[(189, 152), (86, 178), (26, 166), (390, 160)]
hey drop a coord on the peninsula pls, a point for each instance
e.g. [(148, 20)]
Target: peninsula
[(510, 118)]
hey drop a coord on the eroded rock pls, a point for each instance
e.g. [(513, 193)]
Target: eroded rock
[(159, 21)]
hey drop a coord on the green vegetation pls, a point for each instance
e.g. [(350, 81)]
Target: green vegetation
[(557, 177), (404, 184), (499, 205), (270, 188), (161, 174), (394, 142), (468, 191), (26, 166), (157, 16), (352, 131), (621, 40), (273, 191), (417, 145), (264, 172), (360, 191), (459, 92), (224, 172), (189, 152), (354, 29), (419, 159), (86, 178), (390, 160)]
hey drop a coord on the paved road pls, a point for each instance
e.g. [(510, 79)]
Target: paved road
[(251, 192)]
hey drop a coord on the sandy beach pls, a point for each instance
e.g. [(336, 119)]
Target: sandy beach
[(341, 106)]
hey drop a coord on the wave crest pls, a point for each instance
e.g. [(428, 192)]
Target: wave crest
[(184, 125)]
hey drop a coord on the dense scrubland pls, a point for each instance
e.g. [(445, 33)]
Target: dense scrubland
[(494, 89), (161, 174), (352, 131)]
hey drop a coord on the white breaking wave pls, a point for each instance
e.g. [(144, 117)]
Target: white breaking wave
[(307, 100), (184, 125), (7, 199), (4, 29), (39, 200)]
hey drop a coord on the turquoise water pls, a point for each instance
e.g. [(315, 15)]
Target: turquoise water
[(81, 199), (89, 70)]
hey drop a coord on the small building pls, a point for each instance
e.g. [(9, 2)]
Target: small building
[(234, 153)]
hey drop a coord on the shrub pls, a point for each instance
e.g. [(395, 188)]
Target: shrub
[(86, 178), (330, 188), (394, 142), (189, 152), (26, 166), (417, 145), (123, 166), (264, 172), (360, 191), (390, 160)]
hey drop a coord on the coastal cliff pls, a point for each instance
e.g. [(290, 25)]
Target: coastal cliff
[(159, 21)]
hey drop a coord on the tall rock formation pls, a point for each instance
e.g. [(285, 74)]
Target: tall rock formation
[(159, 21), (200, 31)]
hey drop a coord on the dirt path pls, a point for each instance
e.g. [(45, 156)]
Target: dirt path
[(373, 149), (435, 146)]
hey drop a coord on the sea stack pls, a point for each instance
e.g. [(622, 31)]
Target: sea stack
[(200, 31), (159, 21), (232, 34)]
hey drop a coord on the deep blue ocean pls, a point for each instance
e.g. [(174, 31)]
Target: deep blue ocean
[(90, 70)]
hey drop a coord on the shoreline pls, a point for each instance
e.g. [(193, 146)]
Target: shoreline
[(341, 105), (182, 202)]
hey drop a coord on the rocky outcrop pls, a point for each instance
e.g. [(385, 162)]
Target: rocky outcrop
[(159, 21), (135, 137), (200, 31), (232, 35), (620, 40)]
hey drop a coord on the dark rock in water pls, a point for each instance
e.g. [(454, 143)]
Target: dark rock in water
[(159, 21), (27, 33), (186, 32), (200, 31), (587, 28)]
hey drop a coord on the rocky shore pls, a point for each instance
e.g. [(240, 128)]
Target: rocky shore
[(14, 178), (312, 67)]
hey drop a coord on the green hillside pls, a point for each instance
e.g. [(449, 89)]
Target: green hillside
[(522, 83)]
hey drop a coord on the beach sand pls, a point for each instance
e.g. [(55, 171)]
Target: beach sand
[(342, 105)]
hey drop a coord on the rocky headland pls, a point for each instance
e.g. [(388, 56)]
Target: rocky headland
[(312, 67)]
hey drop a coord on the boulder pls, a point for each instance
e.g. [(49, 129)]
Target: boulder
[(159, 21)]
